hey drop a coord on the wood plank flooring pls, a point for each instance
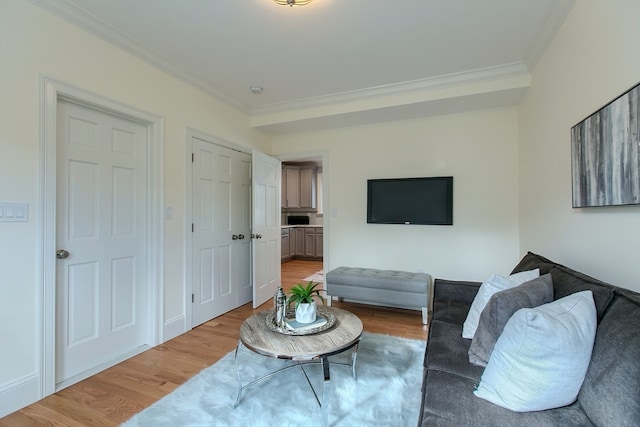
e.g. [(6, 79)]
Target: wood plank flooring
[(114, 395)]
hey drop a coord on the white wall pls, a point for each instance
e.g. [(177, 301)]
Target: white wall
[(594, 58), (34, 43), (479, 149)]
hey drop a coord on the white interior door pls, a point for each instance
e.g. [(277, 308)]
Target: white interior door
[(221, 230), (101, 229), (266, 227)]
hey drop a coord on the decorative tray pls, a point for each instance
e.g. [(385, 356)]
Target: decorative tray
[(321, 313)]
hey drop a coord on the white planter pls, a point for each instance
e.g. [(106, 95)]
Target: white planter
[(306, 313)]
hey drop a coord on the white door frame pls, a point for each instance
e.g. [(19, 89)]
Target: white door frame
[(51, 92), (191, 133)]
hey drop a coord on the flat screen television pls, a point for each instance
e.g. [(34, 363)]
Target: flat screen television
[(410, 201)]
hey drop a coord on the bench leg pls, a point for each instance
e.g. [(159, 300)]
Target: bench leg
[(424, 315)]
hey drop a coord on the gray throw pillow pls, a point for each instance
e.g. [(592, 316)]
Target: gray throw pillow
[(499, 310), (567, 282)]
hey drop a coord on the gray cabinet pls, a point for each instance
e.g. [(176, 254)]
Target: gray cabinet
[(319, 242), (298, 241), (302, 243), (292, 243), (299, 187), (313, 242), (308, 187), (309, 243), (291, 190), (285, 245)]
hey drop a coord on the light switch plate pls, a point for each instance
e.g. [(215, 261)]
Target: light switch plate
[(14, 212)]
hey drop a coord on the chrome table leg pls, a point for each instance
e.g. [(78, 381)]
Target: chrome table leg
[(326, 391)]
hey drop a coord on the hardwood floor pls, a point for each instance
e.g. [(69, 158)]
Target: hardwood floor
[(113, 396)]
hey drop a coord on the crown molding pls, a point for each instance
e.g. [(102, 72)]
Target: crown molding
[(419, 88), (90, 23), (488, 84), (486, 80)]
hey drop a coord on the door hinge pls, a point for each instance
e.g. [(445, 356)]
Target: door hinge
[(193, 298), (193, 158), (193, 227)]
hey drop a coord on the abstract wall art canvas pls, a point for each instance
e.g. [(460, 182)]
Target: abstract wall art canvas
[(605, 154)]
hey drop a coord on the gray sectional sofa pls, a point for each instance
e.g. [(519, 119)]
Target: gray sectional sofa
[(610, 393)]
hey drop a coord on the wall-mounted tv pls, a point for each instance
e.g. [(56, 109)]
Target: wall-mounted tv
[(410, 201)]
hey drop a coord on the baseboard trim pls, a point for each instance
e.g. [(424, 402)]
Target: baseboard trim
[(19, 393), (174, 327)]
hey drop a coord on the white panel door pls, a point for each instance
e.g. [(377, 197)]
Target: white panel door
[(221, 230), (266, 227), (242, 249), (101, 233)]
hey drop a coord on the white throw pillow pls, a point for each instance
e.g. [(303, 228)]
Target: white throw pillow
[(541, 358), (492, 285)]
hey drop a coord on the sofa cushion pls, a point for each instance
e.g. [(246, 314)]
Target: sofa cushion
[(452, 299), (492, 285), (499, 310), (447, 351), (567, 281), (540, 360), (448, 400), (610, 394), (450, 311), (456, 290), (531, 261)]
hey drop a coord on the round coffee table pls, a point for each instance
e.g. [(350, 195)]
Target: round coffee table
[(304, 349)]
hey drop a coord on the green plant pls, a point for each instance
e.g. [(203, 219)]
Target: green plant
[(304, 294)]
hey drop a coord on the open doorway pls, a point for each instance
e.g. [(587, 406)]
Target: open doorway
[(304, 237)]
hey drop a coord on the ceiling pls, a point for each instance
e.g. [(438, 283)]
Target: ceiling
[(334, 62)]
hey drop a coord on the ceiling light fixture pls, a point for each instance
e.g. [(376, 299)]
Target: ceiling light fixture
[(292, 3)]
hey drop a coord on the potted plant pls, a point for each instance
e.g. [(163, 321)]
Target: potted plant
[(303, 297)]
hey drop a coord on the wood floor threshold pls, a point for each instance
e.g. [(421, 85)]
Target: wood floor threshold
[(111, 397)]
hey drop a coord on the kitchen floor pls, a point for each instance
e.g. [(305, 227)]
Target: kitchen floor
[(295, 271)]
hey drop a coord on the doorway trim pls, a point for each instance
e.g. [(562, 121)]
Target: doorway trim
[(52, 91)]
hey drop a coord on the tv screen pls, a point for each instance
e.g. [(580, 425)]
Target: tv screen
[(410, 201)]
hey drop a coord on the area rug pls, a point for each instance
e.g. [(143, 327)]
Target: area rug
[(317, 277), (386, 393)]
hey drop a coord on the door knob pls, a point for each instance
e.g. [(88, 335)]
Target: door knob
[(258, 236), (234, 237), (241, 236), (62, 254)]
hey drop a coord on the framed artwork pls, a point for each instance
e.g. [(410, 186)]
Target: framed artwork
[(605, 154)]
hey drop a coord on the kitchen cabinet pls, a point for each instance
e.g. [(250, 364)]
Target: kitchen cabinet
[(309, 243), (302, 243), (285, 245), (319, 243), (292, 189), (298, 236), (292, 244), (299, 187), (308, 188)]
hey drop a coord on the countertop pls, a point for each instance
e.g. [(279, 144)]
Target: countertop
[(304, 226)]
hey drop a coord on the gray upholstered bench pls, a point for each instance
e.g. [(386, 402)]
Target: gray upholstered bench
[(381, 287)]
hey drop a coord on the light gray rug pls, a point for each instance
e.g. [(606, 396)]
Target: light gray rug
[(317, 277), (387, 392)]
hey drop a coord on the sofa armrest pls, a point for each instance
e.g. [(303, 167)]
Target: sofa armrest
[(455, 290)]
